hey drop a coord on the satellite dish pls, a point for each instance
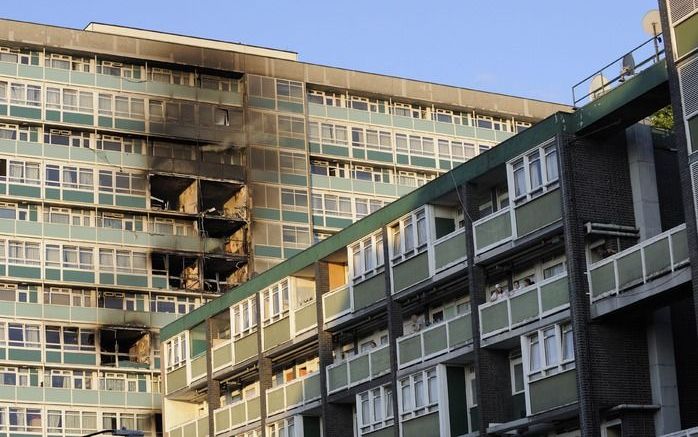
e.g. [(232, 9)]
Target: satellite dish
[(598, 86), (651, 23)]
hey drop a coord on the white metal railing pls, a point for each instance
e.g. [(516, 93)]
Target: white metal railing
[(305, 395), (646, 276), (188, 423), (423, 356), (506, 210), (435, 244), (348, 361), (510, 322), (690, 432)]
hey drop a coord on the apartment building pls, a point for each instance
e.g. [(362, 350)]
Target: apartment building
[(541, 288), (143, 174)]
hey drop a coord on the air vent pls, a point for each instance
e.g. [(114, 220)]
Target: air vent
[(688, 75), (679, 9)]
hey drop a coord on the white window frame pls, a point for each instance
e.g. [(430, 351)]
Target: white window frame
[(409, 225), (559, 364), (382, 394), (409, 384), (276, 302), (177, 351), (244, 317), (523, 163), (371, 246)]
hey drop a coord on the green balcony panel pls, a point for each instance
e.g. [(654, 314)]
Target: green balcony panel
[(336, 303), (305, 317), (86, 397), (108, 81), (254, 409), (30, 310), (78, 196), (277, 333), (495, 317), (52, 193), (424, 125), (403, 159), (130, 201), (222, 356), (603, 279), (554, 294), (316, 109), (492, 231), (338, 223), (58, 395), (444, 128), (52, 115), (135, 160), (422, 426), (261, 102), (25, 191), (20, 354), (159, 282), (24, 272), (57, 75), (30, 71), (409, 349), (106, 199), (53, 357), (359, 369), (679, 246), (375, 155), (363, 186), (359, 115), (25, 112), (7, 309), (293, 179), (79, 276), (108, 316), (337, 112), (189, 430), (56, 230), (158, 320), (245, 348), (54, 151), (330, 149), (319, 181), (76, 118), (8, 68), (686, 34), (388, 431), (524, 306), (29, 148), (312, 387), (460, 330), (142, 400), (176, 379), (132, 125), (423, 162), (202, 426), (238, 415), (380, 118), (31, 394), (318, 221), (270, 251), (198, 367), (7, 226), (294, 393), (538, 213), (79, 314), (368, 292), (292, 143), (29, 228), (380, 361), (128, 85), (435, 340), (82, 233), (450, 250), (356, 153), (294, 216), (221, 419), (445, 164), (112, 398), (8, 146), (629, 269), (290, 107), (275, 400), (553, 391), (80, 358), (410, 272), (337, 377), (315, 147)]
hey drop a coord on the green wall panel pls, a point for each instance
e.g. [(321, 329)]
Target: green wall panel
[(422, 426), (538, 213), (277, 333), (411, 271), (554, 391), (369, 291)]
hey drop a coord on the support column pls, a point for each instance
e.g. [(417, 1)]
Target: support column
[(264, 368), (213, 386), (337, 420), (589, 421), (643, 180), (660, 346)]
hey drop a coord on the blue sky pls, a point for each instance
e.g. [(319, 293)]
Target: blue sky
[(533, 48)]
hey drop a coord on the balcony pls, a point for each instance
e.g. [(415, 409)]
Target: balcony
[(434, 340), (640, 264), (67, 396), (349, 299), (237, 414), (511, 223), (524, 306), (691, 432), (293, 394), (296, 322), (358, 369), (193, 428), (552, 391)]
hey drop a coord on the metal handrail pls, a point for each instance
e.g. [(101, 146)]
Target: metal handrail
[(656, 56)]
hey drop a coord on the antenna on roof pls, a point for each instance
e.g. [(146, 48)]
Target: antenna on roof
[(598, 87), (652, 25)]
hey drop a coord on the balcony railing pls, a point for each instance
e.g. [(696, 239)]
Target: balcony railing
[(435, 340), (691, 432), (642, 263), (193, 428), (618, 71), (524, 306), (293, 394), (493, 230), (358, 369), (237, 414)]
